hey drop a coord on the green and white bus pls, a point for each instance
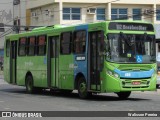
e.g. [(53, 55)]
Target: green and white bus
[(109, 56)]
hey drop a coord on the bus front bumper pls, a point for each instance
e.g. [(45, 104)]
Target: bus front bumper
[(112, 84)]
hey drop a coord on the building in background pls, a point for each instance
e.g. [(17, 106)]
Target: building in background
[(12, 16), (51, 12), (6, 14)]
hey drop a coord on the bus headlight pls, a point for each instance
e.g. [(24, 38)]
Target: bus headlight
[(112, 73), (109, 72), (116, 75)]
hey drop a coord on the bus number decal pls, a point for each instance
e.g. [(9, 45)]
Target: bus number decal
[(127, 74), (80, 58)]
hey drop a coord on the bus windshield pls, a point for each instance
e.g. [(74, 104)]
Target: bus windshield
[(126, 48)]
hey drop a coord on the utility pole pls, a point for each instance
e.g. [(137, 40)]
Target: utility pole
[(16, 18)]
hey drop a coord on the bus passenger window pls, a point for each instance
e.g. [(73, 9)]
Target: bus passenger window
[(42, 45), (66, 43), (31, 47), (7, 48), (79, 42), (22, 46)]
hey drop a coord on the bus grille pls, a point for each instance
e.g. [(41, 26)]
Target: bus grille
[(128, 83), (137, 87)]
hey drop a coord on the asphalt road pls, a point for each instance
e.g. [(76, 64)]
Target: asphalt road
[(15, 98)]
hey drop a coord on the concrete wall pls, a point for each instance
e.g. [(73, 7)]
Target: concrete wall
[(33, 4), (44, 17)]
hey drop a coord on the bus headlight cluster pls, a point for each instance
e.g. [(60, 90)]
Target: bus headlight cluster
[(116, 75), (112, 73), (109, 72)]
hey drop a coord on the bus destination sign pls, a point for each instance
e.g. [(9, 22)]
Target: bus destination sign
[(130, 26)]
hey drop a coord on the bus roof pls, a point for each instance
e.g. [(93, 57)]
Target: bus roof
[(46, 28)]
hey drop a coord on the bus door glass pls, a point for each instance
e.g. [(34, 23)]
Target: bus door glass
[(52, 64), (96, 59), (13, 57)]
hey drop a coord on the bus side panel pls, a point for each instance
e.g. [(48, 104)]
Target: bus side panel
[(36, 66), (21, 70), (66, 78)]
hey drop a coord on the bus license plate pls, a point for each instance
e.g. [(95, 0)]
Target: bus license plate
[(136, 82)]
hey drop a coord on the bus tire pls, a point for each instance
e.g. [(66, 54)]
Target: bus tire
[(157, 86), (123, 95), (82, 89), (29, 84)]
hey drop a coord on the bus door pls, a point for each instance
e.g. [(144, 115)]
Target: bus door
[(80, 51), (13, 57), (95, 59), (52, 63)]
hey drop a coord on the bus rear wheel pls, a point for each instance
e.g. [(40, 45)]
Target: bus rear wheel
[(123, 95), (157, 86), (82, 89), (29, 84)]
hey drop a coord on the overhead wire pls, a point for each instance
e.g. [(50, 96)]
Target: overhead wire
[(12, 2)]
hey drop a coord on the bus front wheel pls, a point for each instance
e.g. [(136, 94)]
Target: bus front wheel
[(82, 89), (29, 84), (123, 95)]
